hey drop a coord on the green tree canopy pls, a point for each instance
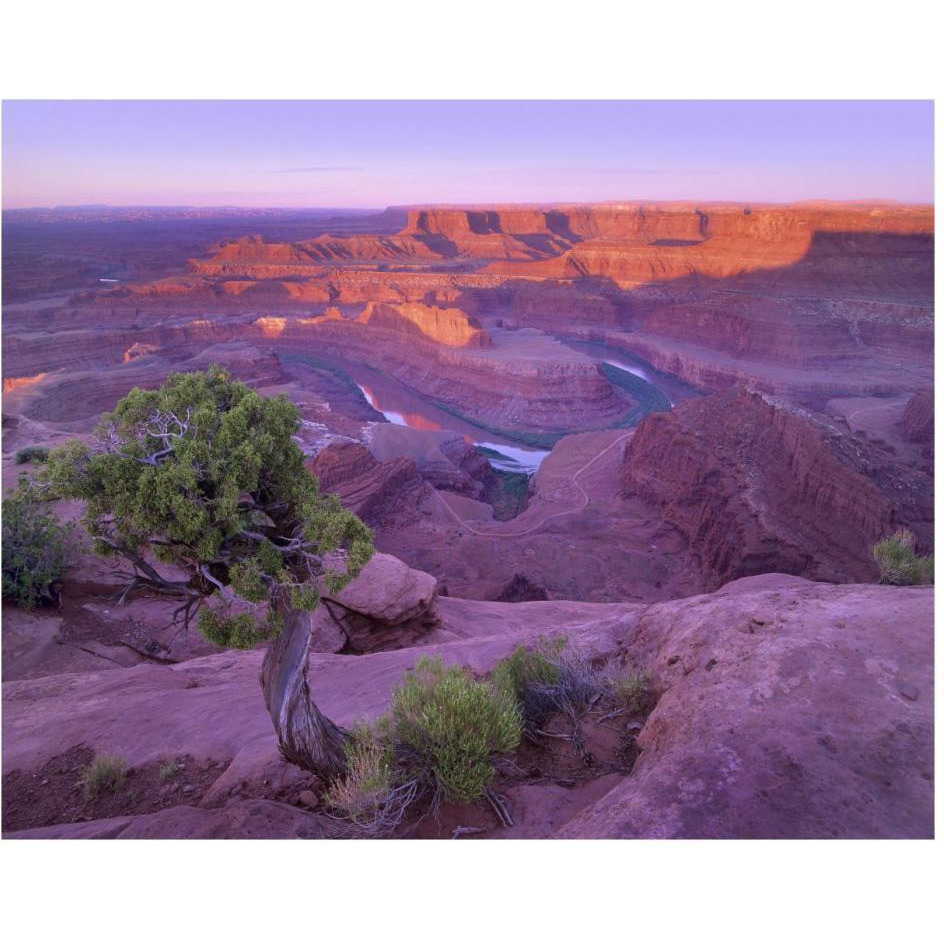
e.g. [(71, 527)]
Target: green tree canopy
[(205, 474)]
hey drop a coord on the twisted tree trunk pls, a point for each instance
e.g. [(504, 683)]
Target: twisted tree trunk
[(306, 737)]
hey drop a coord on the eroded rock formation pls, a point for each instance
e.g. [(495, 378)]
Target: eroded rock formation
[(755, 486), (918, 423), (374, 491), (787, 710)]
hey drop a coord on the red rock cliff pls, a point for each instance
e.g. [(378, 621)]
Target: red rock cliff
[(756, 487)]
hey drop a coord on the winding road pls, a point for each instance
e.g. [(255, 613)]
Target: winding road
[(585, 500)]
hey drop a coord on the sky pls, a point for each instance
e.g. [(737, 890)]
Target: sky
[(373, 154)]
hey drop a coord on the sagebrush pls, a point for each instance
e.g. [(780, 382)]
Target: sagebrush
[(104, 775), (450, 724), (374, 793), (900, 564), (629, 687), (554, 677), (438, 741)]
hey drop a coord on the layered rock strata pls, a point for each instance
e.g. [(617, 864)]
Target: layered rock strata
[(755, 486)]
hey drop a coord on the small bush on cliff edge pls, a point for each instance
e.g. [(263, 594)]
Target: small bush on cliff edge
[(628, 687), (438, 741), (554, 676), (451, 725), (898, 562), (36, 549), (375, 792)]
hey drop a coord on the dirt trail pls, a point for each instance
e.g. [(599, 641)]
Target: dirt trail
[(584, 497)]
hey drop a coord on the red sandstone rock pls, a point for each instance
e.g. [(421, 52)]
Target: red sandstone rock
[(525, 380), (806, 301), (449, 326), (918, 422), (372, 490), (786, 710), (388, 606), (444, 459), (656, 244), (238, 819), (755, 487)]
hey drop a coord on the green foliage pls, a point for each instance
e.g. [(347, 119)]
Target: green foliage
[(554, 677), (248, 580), (526, 667), (237, 630), (104, 775), (204, 473), (450, 724), (898, 562), (36, 549), (32, 454), (167, 771), (369, 777), (629, 687), (304, 598)]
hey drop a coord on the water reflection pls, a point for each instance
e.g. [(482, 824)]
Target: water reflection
[(502, 455), (403, 407), (414, 420), (636, 371), (674, 388)]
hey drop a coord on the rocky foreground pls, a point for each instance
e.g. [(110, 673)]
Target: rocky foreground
[(783, 708)]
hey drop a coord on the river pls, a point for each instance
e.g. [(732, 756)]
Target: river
[(404, 407)]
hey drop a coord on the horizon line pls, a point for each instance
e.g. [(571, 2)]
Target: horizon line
[(537, 204)]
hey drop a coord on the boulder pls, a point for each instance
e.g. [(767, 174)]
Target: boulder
[(388, 606)]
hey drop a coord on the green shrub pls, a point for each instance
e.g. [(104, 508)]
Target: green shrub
[(628, 687), (374, 792), (32, 454), (104, 775), (167, 771), (898, 562), (526, 667), (36, 550), (448, 724), (551, 677), (554, 677)]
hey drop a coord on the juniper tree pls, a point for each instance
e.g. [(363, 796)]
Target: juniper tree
[(204, 474), (36, 548)]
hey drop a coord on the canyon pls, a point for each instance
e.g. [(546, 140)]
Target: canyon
[(672, 431)]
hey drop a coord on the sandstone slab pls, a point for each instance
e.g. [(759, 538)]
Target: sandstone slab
[(787, 709)]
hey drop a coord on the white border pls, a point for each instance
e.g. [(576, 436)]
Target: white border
[(590, 891)]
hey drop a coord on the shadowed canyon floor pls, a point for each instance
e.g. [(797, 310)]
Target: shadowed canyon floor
[(650, 427)]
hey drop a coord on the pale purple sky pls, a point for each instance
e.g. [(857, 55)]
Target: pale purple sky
[(377, 153)]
